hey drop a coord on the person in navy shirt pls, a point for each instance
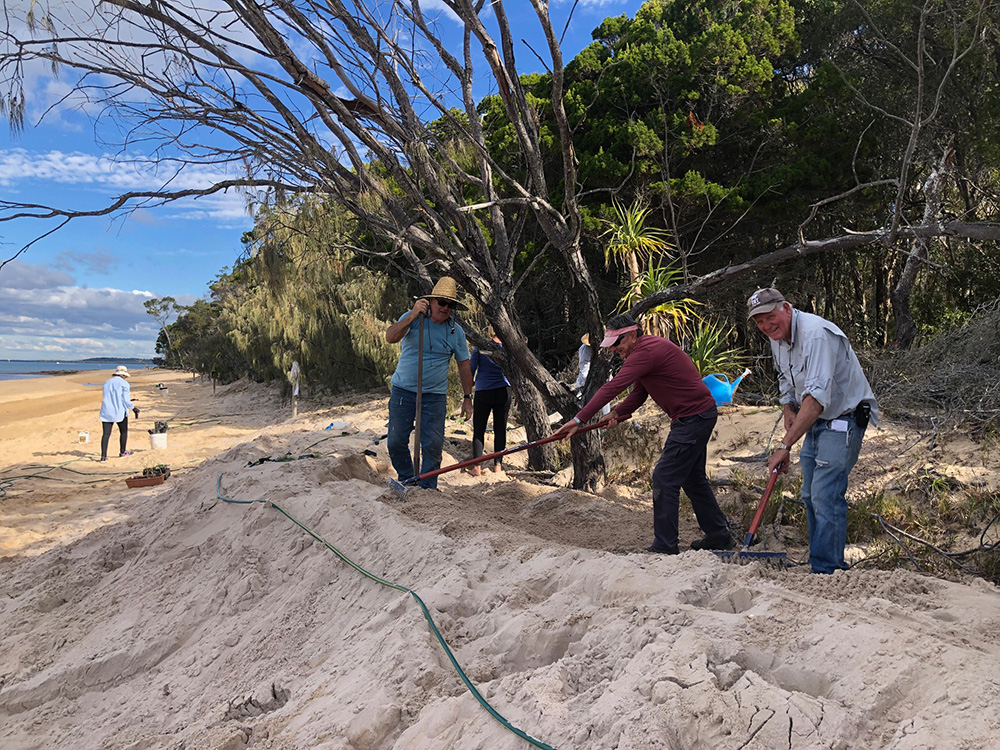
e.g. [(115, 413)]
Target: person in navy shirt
[(492, 397)]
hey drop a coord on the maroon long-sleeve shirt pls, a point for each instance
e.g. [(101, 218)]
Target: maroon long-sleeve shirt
[(659, 368)]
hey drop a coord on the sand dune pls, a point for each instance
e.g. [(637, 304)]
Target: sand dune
[(169, 618)]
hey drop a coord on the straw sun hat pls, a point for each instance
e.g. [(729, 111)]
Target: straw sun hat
[(121, 370), (446, 288)]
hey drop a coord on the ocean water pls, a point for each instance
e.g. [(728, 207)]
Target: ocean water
[(18, 370)]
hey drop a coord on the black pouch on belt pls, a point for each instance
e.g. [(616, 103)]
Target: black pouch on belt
[(862, 414)]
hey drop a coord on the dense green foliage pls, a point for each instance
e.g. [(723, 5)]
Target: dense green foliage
[(724, 123), (297, 295), (732, 119)]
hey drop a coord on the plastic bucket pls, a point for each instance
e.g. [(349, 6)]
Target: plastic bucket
[(164, 391), (158, 441), (84, 436)]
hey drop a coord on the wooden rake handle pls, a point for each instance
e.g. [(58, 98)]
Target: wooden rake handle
[(498, 454), (759, 515)]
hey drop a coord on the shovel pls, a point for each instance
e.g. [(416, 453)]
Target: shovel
[(745, 555), (399, 488), (420, 388)]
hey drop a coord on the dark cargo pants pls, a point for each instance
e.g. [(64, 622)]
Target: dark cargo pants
[(682, 466)]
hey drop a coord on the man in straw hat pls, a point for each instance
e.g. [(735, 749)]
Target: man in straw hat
[(825, 397), (114, 410), (659, 368), (443, 339)]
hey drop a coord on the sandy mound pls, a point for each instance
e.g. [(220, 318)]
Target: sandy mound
[(178, 620)]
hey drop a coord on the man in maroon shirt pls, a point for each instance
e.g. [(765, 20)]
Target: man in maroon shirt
[(659, 368)]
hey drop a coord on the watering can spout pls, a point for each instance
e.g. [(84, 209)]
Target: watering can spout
[(742, 375)]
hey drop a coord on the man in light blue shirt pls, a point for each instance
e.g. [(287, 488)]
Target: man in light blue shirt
[(114, 410), (443, 339), (825, 397)]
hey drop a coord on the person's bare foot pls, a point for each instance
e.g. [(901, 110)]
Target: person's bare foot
[(475, 471), (498, 468)]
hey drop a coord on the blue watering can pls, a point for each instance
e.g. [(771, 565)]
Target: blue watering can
[(720, 387)]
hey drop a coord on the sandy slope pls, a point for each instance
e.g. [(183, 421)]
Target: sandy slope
[(167, 618)]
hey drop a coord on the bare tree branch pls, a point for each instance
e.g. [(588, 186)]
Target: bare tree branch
[(334, 98), (722, 277)]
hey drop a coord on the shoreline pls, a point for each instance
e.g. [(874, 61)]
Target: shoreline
[(27, 399), (31, 368), (50, 444)]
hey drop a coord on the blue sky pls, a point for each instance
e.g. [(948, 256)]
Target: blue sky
[(79, 292)]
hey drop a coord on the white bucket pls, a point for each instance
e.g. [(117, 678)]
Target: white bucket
[(158, 441), (84, 436), (164, 391)]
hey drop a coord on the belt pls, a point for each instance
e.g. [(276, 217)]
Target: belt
[(849, 415), (859, 415)]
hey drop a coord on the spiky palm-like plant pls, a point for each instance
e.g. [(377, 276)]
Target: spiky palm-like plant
[(631, 243), (711, 352), (674, 320)]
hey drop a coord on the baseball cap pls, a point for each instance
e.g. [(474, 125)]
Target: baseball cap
[(764, 301)]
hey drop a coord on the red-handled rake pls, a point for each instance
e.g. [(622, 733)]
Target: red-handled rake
[(399, 488), (745, 555)]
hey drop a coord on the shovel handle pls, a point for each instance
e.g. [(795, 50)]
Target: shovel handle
[(759, 515), (420, 389), (498, 454)]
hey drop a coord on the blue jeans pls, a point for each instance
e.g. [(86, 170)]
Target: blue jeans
[(402, 411), (827, 458)]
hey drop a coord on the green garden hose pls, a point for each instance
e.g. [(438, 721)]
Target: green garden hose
[(423, 607)]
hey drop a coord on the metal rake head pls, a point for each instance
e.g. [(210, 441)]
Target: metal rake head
[(744, 557), (398, 490)]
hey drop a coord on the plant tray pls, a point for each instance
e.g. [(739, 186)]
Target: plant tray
[(134, 482)]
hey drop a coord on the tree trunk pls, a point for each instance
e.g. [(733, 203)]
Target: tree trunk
[(906, 326), (535, 418), (589, 466)]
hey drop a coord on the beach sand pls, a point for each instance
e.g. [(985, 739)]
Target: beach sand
[(167, 618)]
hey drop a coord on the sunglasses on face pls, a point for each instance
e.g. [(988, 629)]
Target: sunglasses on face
[(618, 340), (445, 303)]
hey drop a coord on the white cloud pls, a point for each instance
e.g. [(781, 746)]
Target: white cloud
[(228, 209), (44, 315), (77, 168), (22, 171), (431, 8), (99, 261), (17, 275)]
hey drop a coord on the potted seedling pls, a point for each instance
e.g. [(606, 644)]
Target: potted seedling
[(151, 476)]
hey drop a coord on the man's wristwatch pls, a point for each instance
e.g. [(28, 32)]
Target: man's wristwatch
[(783, 447), (467, 395)]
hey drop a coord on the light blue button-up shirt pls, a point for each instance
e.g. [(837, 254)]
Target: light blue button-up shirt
[(117, 399), (820, 362), (442, 341)]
